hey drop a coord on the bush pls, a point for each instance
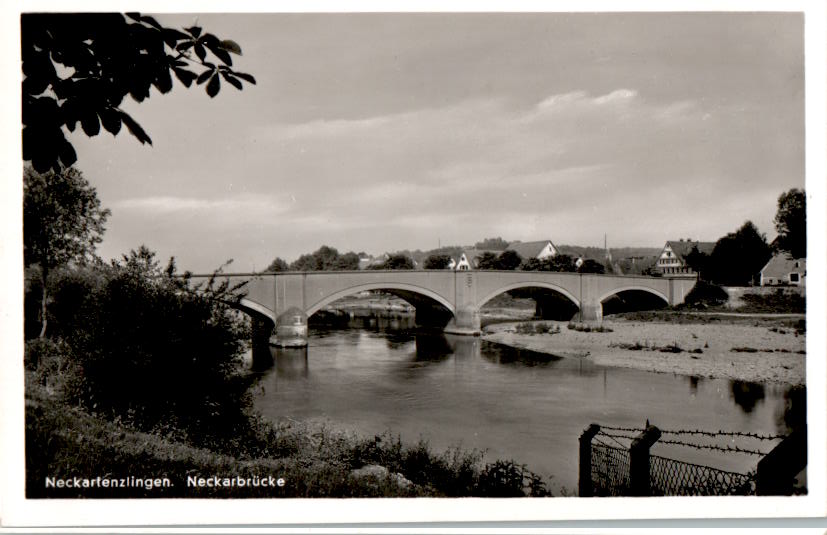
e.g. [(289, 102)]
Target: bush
[(705, 294), (156, 353), (778, 301)]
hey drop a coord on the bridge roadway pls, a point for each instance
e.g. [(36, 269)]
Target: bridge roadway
[(452, 298)]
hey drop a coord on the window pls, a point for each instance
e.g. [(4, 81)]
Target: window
[(793, 277)]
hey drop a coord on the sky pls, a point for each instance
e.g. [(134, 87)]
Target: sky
[(383, 132)]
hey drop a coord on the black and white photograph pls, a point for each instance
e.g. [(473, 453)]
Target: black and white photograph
[(393, 258)]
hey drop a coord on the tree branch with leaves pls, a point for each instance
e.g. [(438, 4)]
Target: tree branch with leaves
[(79, 67)]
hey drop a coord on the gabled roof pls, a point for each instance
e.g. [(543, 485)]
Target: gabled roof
[(785, 263), (683, 248), (473, 254), (529, 249)]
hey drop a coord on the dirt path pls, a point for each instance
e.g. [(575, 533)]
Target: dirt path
[(734, 351)]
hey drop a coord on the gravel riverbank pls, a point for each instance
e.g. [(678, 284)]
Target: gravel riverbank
[(760, 352)]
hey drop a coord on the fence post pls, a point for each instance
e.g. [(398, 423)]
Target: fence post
[(639, 461), (777, 470), (586, 486)]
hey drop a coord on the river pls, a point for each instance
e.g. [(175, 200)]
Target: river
[(379, 374)]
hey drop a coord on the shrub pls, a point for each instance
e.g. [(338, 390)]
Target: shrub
[(159, 354), (705, 294)]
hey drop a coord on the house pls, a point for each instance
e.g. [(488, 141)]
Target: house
[(533, 249), (469, 259), (783, 269), (672, 259)]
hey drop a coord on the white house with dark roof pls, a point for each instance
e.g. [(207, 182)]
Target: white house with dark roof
[(784, 270), (672, 259), (469, 259)]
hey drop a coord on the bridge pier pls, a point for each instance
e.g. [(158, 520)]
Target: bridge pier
[(291, 329), (466, 321), (591, 312)]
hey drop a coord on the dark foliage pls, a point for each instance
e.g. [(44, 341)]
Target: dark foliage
[(62, 222), (739, 256), (326, 259), (791, 223), (776, 302), (699, 262), (155, 352), (705, 294), (79, 67), (560, 263), (487, 260), (591, 266), (509, 260), (493, 244), (277, 265), (397, 261), (437, 261)]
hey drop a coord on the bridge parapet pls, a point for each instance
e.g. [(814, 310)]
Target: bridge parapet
[(282, 297)]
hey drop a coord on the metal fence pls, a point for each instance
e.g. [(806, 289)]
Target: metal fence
[(629, 469), (610, 470), (670, 477)]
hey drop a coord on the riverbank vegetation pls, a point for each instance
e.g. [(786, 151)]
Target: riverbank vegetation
[(141, 372), (65, 439)]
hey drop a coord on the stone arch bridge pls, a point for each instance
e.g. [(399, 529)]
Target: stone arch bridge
[(445, 298)]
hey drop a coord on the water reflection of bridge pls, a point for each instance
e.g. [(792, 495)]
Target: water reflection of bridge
[(450, 300)]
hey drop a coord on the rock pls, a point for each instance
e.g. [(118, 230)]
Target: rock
[(380, 473)]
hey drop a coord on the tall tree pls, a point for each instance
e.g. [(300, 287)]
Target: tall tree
[(79, 67), (791, 223), (509, 260), (277, 265), (487, 260), (62, 221), (397, 261), (739, 256)]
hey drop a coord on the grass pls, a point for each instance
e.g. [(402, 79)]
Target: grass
[(645, 346), (536, 328), (65, 441), (586, 328)]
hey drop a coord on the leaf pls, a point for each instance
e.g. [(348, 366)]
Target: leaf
[(245, 76), (231, 46), (111, 121), (68, 156), (163, 82), (222, 54), (214, 86), (186, 77), (231, 80), (134, 128), (200, 52), (195, 31), (204, 76), (186, 45), (91, 125), (152, 22)]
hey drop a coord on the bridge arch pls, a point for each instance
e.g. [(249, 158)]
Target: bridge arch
[(634, 288), (529, 284), (253, 309), (380, 286)]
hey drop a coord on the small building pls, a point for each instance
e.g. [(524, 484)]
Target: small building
[(784, 270), (533, 249), (672, 259), (469, 259)]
